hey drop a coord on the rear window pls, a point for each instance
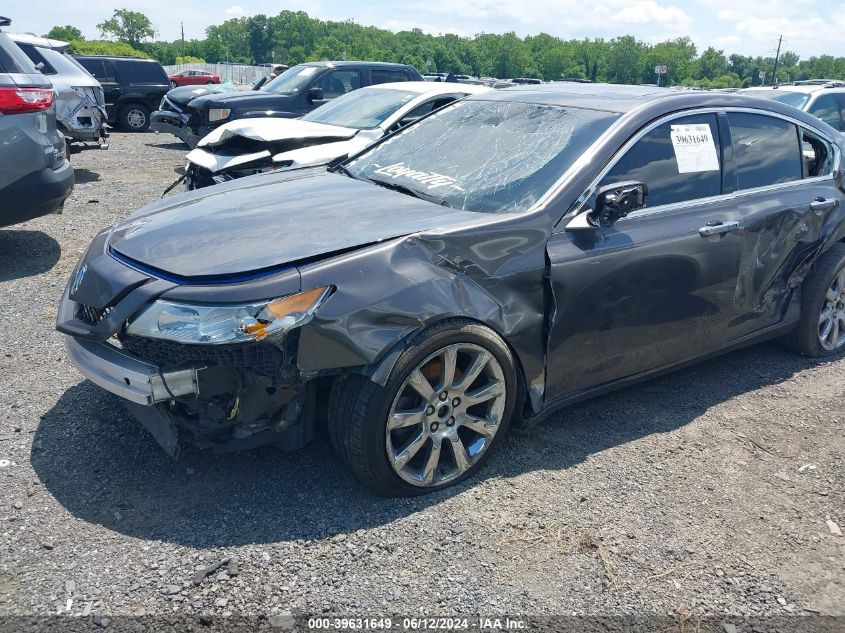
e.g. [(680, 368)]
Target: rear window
[(789, 97), (37, 58), (12, 59), (135, 72), (826, 108), (387, 76)]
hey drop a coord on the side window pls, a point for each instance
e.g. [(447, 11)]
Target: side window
[(816, 155), (100, 70), (37, 58), (387, 76), (141, 72), (12, 58), (678, 161), (827, 109), (766, 150), (841, 98), (338, 82)]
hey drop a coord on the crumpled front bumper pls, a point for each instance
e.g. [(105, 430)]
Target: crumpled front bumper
[(128, 376), (174, 123)]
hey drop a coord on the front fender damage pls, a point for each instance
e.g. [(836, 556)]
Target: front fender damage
[(387, 294)]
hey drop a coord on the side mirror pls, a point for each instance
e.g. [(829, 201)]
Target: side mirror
[(613, 202), (314, 94)]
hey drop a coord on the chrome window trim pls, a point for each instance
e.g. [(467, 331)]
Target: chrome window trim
[(578, 206)]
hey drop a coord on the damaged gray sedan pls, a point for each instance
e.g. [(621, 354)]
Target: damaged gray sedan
[(506, 255)]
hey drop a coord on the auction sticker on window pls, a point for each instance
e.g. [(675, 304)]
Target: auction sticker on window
[(694, 148)]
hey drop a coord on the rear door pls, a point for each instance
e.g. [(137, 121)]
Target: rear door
[(785, 194), (657, 287)]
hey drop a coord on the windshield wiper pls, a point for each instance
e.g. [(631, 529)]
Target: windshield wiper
[(337, 166), (410, 192)]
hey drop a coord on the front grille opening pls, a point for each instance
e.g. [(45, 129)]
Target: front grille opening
[(91, 315), (262, 358)]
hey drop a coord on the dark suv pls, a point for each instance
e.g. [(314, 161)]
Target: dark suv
[(35, 175), (133, 88), (295, 92)]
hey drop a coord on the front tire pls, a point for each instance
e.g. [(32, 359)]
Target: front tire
[(135, 117), (821, 329), (443, 410)]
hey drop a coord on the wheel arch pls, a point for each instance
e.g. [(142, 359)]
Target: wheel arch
[(380, 370)]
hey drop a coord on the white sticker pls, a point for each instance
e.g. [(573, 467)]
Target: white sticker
[(694, 148)]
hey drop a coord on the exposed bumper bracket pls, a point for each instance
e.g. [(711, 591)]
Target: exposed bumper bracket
[(128, 376)]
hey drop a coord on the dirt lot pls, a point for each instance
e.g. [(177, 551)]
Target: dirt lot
[(703, 493)]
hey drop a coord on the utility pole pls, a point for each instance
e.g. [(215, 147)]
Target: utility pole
[(777, 55), (182, 24)]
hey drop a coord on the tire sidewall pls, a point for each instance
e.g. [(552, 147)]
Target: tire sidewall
[(375, 440), (816, 301)]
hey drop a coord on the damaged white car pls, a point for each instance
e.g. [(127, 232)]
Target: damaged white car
[(343, 127), (80, 103)]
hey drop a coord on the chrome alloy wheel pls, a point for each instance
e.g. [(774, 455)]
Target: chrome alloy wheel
[(136, 118), (832, 315), (445, 415)]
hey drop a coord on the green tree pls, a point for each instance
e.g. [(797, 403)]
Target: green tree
[(128, 26), (104, 47), (66, 33), (712, 64)]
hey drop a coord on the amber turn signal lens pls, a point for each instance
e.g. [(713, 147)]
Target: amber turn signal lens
[(295, 304)]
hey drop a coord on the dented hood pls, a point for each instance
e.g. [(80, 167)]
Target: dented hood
[(274, 130), (261, 223)]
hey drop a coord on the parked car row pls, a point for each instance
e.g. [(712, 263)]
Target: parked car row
[(295, 92), (339, 129)]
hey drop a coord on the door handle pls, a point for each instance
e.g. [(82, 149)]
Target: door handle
[(718, 228), (820, 204)]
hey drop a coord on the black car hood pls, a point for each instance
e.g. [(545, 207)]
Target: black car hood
[(184, 94), (246, 99), (266, 222)]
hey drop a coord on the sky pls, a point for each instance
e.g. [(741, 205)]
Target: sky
[(750, 27)]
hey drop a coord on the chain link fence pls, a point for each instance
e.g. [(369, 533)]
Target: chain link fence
[(239, 74)]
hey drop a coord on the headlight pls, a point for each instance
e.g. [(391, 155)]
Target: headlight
[(193, 323), (218, 114)]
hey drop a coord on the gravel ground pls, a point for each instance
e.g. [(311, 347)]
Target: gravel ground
[(707, 492)]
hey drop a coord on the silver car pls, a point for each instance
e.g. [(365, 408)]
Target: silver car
[(80, 104)]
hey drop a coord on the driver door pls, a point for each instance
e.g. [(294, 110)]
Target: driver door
[(655, 288)]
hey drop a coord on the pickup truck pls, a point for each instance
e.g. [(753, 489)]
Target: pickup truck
[(295, 92)]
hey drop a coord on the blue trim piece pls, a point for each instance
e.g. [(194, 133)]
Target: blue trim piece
[(200, 280)]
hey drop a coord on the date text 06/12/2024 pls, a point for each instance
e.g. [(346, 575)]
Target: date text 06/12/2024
[(417, 624)]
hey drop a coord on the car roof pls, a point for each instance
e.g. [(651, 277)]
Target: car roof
[(329, 64), (608, 97), (804, 88), (651, 101), (428, 87), (40, 42), (125, 58)]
